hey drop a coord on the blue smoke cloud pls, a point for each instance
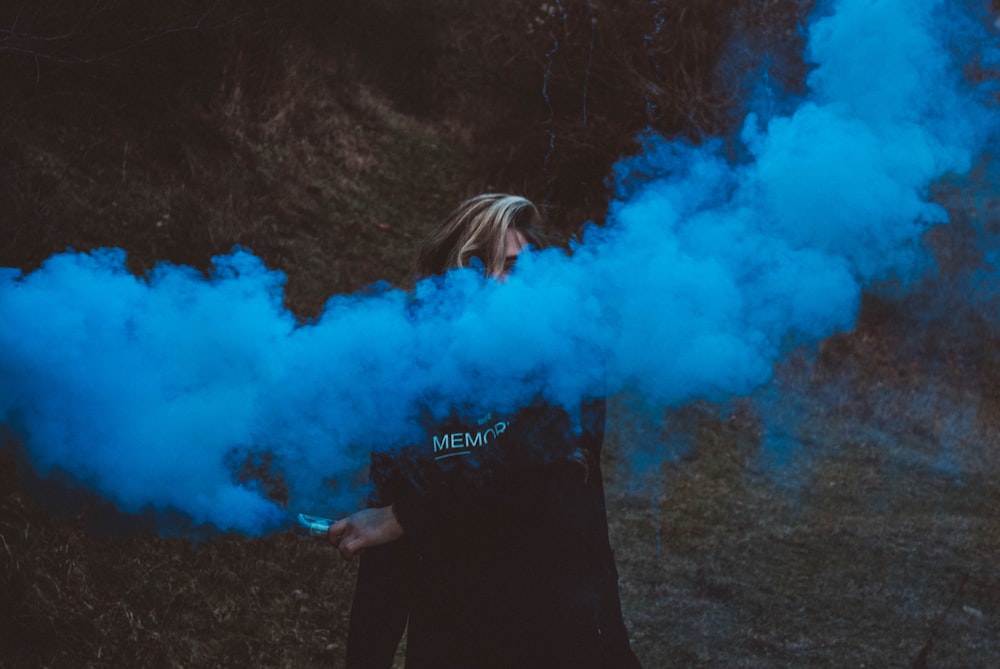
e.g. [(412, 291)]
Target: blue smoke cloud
[(715, 260)]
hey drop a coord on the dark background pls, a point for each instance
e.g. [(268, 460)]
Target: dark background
[(329, 137)]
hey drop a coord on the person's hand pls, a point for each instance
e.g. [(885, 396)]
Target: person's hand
[(364, 529)]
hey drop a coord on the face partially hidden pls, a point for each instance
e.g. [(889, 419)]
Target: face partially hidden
[(514, 243)]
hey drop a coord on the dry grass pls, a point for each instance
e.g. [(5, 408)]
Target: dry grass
[(258, 137), (73, 599), (874, 541), (327, 136), (846, 521)]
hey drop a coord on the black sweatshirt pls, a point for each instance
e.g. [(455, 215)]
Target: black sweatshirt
[(505, 562)]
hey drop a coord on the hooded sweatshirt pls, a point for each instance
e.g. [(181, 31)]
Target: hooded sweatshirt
[(505, 561)]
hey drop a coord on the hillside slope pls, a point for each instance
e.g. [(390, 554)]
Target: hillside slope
[(328, 137)]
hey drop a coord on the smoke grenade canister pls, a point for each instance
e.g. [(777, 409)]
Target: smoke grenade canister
[(314, 526)]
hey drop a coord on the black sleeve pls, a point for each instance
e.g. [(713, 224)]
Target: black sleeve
[(380, 607)]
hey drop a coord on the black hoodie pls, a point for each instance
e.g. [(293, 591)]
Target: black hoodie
[(505, 562)]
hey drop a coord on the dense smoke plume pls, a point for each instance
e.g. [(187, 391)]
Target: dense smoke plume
[(715, 259)]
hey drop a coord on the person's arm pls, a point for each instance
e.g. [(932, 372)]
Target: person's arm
[(436, 507)]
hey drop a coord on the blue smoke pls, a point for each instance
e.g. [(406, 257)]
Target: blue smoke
[(715, 260)]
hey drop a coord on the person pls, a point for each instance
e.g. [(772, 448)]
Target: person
[(500, 558)]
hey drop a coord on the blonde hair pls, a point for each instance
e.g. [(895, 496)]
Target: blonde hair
[(478, 229)]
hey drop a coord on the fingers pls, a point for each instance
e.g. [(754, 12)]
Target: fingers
[(366, 528), (350, 547), (337, 531), (347, 537)]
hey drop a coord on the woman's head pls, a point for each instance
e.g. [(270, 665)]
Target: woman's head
[(492, 227)]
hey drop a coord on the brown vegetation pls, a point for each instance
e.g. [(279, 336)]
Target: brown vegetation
[(328, 136)]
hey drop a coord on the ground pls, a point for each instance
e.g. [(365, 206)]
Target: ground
[(843, 515)]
